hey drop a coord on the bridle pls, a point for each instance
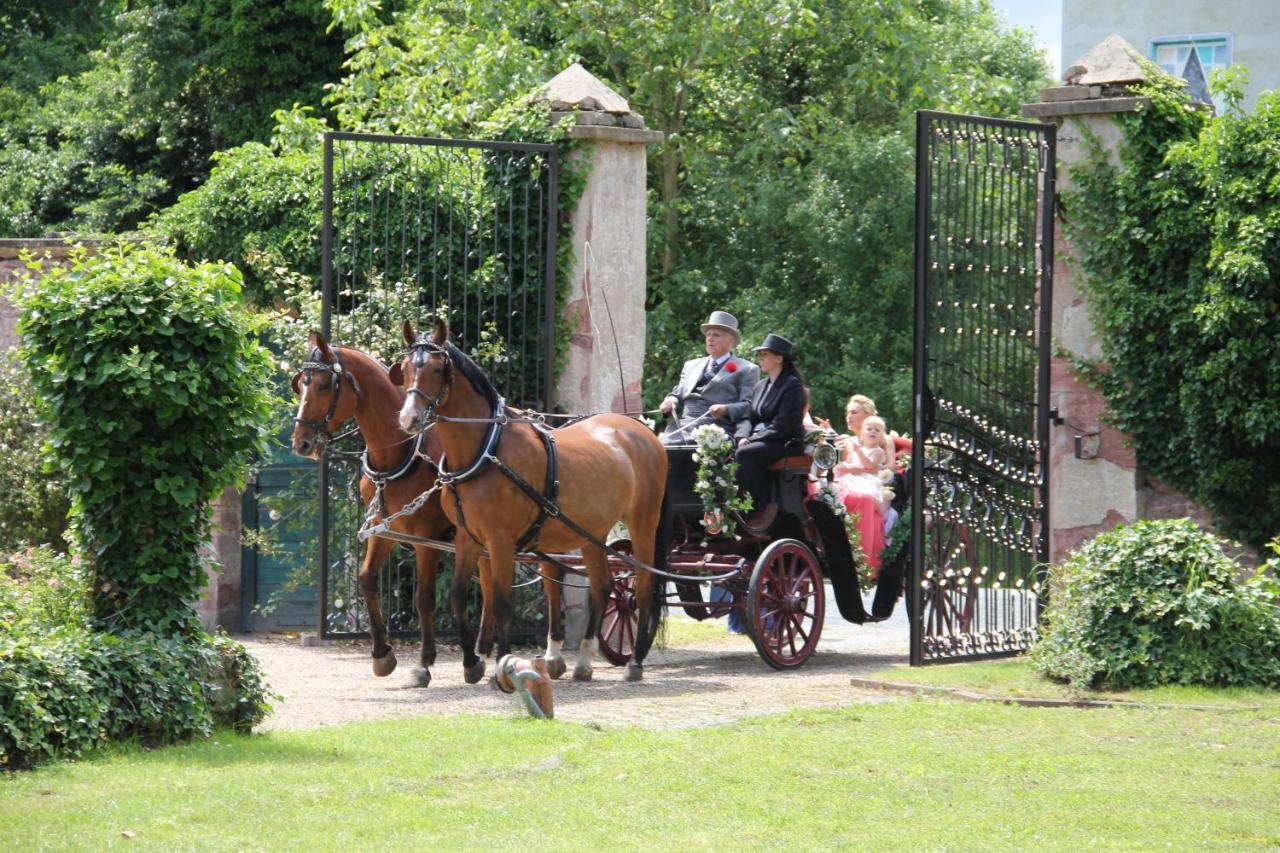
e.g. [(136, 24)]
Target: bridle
[(422, 349), (307, 369)]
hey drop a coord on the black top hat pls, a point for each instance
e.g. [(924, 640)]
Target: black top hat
[(776, 343)]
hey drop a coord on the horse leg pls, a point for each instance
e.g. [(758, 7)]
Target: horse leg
[(502, 574), (375, 555), (646, 588), (464, 566), (484, 645), (601, 580), (552, 577), (428, 562)]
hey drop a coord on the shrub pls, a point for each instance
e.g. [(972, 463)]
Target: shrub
[(65, 689), (157, 396), (1159, 603), (76, 690), (33, 502)]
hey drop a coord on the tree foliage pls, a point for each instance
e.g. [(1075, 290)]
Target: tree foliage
[(131, 119), (156, 399), (1181, 248)]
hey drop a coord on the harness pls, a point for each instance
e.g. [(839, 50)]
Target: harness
[(308, 369)]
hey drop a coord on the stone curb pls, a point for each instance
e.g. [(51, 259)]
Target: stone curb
[(970, 696)]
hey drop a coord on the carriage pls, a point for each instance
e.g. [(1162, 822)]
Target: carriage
[(773, 579)]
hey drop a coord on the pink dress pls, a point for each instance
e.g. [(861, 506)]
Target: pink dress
[(861, 491)]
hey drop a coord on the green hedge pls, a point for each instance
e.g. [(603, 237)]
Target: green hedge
[(64, 694), (1159, 603), (156, 396), (65, 689)]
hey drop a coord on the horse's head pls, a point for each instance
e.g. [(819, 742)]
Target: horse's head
[(426, 373), (321, 403)]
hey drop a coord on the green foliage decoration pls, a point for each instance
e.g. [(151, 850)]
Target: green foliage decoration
[(1181, 250), (157, 396), (1158, 603), (33, 500)]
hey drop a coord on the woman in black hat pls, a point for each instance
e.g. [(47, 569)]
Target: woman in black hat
[(774, 421)]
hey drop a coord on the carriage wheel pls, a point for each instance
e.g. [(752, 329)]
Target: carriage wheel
[(785, 604), (621, 621), (951, 594)]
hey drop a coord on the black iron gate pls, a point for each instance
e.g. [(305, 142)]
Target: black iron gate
[(416, 228), (984, 263)]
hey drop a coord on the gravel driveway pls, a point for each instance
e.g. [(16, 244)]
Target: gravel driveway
[(719, 680)]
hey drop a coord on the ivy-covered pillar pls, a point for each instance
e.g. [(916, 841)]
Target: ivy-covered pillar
[(1094, 481), (604, 310)]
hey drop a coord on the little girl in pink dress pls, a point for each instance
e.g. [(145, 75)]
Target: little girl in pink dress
[(860, 488)]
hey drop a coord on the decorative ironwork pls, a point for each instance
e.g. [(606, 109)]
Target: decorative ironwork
[(984, 268), (416, 228)]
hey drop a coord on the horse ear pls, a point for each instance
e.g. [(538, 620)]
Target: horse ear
[(297, 383), (326, 354), (409, 336), (441, 335), (397, 373)]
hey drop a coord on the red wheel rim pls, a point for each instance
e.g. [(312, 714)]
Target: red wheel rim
[(621, 622), (787, 605)]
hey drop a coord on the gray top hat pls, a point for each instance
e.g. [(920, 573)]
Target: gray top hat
[(776, 343), (723, 320)]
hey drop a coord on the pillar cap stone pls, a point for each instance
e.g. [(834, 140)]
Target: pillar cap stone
[(1111, 62), (598, 111)]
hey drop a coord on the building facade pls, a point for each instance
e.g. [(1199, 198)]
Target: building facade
[(1185, 37)]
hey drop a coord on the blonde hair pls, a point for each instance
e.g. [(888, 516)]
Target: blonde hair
[(886, 439), (865, 403)]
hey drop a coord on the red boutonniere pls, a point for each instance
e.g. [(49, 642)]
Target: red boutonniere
[(730, 366)]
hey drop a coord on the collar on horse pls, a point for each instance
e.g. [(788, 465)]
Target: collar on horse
[(416, 453), (308, 369)]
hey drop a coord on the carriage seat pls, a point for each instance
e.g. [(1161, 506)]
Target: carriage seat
[(798, 461)]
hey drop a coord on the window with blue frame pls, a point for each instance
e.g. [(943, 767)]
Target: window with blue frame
[(1173, 52)]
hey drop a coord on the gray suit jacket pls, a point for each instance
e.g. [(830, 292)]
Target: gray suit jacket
[(730, 386)]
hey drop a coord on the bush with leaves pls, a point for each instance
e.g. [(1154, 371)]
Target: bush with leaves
[(157, 396), (1159, 603), (1181, 248), (33, 500), (65, 689)]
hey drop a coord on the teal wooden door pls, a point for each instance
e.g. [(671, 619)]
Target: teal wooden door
[(278, 557)]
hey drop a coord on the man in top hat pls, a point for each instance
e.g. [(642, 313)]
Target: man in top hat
[(714, 388)]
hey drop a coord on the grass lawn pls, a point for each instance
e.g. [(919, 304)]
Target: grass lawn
[(910, 773), (1016, 678)]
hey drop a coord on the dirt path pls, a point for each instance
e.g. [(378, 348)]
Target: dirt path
[(718, 680)]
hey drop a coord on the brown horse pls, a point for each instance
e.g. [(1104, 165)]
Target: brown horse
[(374, 399), (606, 468)]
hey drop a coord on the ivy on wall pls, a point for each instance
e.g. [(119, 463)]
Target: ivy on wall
[(1181, 250)]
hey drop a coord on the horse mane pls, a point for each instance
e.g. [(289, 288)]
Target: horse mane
[(473, 374)]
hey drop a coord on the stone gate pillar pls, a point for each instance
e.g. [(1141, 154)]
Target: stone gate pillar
[(605, 306), (1095, 482)]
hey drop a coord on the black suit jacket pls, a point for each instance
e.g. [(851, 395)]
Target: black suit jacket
[(777, 411)]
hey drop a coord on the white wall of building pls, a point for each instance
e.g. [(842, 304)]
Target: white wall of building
[(1252, 28)]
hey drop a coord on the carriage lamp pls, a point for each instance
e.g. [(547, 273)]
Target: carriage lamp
[(825, 454), (1087, 445)]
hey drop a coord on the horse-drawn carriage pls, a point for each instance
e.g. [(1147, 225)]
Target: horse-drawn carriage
[(522, 493)]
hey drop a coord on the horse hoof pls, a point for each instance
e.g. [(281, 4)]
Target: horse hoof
[(581, 673), (385, 665), (475, 672), (556, 667), (421, 676), (635, 671)]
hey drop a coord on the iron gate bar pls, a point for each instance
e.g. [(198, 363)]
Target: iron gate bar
[(989, 184), (464, 260)]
